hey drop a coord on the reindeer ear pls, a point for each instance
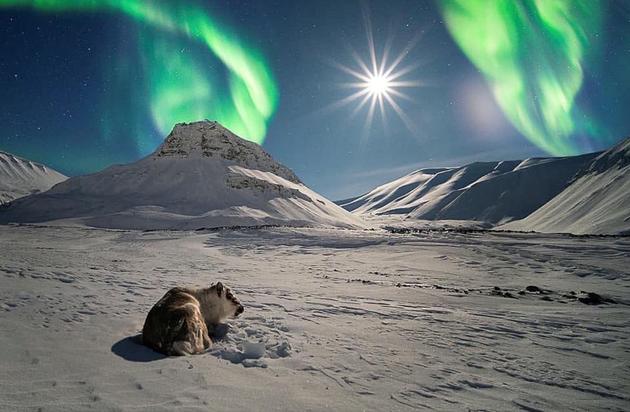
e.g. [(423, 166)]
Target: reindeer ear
[(219, 288)]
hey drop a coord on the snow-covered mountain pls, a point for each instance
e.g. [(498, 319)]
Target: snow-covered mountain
[(20, 177), (483, 191), (201, 176), (596, 202)]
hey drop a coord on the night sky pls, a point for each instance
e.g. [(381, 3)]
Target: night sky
[(86, 84)]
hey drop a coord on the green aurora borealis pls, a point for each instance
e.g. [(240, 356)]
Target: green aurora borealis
[(532, 55), (87, 84), (179, 88)]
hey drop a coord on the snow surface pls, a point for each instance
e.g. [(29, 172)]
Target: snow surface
[(597, 202), (202, 176), (20, 177), (483, 191), (334, 320)]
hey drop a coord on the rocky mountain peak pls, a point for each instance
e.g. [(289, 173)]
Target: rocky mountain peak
[(209, 139)]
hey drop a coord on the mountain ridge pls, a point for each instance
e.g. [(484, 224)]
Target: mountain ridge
[(597, 200), (21, 177), (484, 191), (201, 176)]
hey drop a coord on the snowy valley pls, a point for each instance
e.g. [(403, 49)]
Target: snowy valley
[(344, 310)]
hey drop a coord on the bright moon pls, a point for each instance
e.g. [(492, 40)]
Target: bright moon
[(378, 80), (378, 85)]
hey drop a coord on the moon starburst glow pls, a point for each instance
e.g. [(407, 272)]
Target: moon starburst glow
[(379, 80)]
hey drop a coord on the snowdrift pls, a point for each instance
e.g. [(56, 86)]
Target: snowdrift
[(20, 177), (202, 176)]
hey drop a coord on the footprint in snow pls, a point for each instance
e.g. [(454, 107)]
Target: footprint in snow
[(251, 344)]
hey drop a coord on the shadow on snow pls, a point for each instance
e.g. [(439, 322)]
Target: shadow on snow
[(132, 349)]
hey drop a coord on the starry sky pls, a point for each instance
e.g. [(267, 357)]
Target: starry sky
[(86, 84)]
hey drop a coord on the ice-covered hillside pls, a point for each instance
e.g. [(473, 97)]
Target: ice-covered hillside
[(596, 202), (483, 191), (20, 177), (201, 176)]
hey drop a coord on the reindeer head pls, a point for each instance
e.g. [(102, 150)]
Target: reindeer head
[(230, 306)]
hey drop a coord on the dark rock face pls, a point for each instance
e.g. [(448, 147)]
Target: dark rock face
[(592, 298)]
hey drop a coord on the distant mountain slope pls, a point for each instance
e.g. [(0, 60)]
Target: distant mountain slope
[(21, 177), (596, 202), (201, 176), (378, 200), (484, 191)]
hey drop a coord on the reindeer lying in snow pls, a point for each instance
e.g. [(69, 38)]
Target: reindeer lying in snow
[(178, 323)]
